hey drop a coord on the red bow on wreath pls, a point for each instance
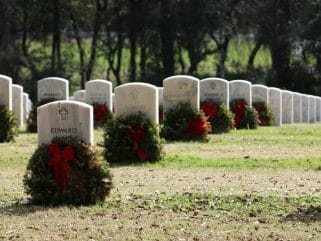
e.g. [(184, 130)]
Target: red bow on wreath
[(136, 137), (197, 125), (239, 113), (209, 109), (59, 161), (261, 119), (99, 112)]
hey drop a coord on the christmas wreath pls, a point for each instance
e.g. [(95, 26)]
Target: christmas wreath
[(101, 114), (246, 117), (67, 171), (185, 123), (220, 117), (264, 113), (32, 117), (8, 125), (132, 139)]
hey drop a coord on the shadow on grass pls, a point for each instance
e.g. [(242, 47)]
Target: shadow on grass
[(18, 209), (309, 215)]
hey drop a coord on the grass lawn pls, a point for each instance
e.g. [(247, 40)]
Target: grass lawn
[(260, 184)]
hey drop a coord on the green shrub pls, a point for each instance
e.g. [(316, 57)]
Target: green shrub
[(184, 123), (132, 139), (88, 179), (220, 117), (246, 117), (264, 113), (102, 114), (8, 125), (32, 118)]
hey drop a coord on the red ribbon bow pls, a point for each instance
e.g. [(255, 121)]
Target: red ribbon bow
[(197, 125), (59, 161), (239, 113), (261, 119), (99, 112), (136, 137), (209, 109)]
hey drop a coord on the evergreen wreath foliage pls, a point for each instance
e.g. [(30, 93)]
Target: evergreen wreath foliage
[(132, 139), (185, 123), (264, 112), (102, 114), (220, 117), (89, 180), (8, 125), (32, 118), (246, 117)]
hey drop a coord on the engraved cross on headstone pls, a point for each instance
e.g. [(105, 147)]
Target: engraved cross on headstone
[(63, 112)]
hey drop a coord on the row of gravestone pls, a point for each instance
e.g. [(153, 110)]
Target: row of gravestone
[(13, 97), (286, 106), (75, 118)]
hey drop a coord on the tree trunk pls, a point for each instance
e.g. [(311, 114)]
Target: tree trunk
[(56, 38), (143, 57), (281, 45), (220, 68), (132, 41), (81, 51), (97, 24), (250, 62), (167, 39), (132, 35)]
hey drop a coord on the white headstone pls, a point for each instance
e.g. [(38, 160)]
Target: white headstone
[(297, 107), (241, 89), (312, 103), (160, 95), (181, 89), (99, 91), (260, 93), (17, 103), (215, 89), (29, 105), (137, 97), (275, 103), (25, 106), (80, 95), (53, 88), (65, 118), (318, 109), (287, 107), (6, 91), (305, 108)]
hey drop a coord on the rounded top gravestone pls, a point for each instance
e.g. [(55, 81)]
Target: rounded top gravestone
[(65, 118), (241, 89), (297, 107), (260, 93), (305, 106), (6, 91), (80, 95), (17, 103), (287, 107), (53, 88), (99, 91), (181, 89), (137, 97), (275, 103), (215, 89)]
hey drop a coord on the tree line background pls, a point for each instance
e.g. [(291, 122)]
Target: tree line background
[(275, 42)]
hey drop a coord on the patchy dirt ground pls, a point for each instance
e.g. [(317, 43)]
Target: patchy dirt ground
[(258, 181), (141, 207)]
